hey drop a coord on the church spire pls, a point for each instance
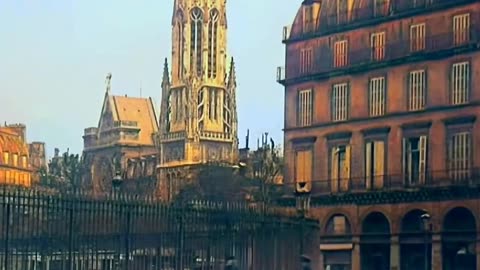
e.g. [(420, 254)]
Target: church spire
[(166, 74), (232, 77)]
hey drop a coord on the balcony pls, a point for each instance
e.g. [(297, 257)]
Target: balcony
[(373, 14), (436, 185), (393, 53)]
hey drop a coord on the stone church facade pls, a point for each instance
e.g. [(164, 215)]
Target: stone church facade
[(198, 119)]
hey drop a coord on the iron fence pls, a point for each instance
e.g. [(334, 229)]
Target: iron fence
[(79, 231)]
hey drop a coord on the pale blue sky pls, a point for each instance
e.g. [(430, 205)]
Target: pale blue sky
[(54, 55)]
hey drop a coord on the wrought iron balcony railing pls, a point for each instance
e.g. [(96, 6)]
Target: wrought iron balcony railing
[(435, 179), (393, 52)]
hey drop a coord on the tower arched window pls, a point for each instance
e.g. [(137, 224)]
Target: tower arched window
[(180, 44), (196, 40), (212, 43)]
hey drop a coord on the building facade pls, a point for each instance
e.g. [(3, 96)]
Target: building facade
[(123, 144), (14, 156), (198, 119), (381, 129)]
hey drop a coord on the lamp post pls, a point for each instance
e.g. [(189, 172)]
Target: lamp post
[(303, 205), (426, 227), (116, 183)]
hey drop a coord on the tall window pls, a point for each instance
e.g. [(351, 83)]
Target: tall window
[(6, 158), (180, 44), (416, 90), (378, 46), (417, 37), (306, 60), (305, 108), (24, 162), (376, 96), (196, 40), (340, 53), (460, 83), (214, 101), (374, 164), (15, 160), (415, 159), (460, 155), (212, 43), (340, 168), (461, 29), (303, 169), (340, 101)]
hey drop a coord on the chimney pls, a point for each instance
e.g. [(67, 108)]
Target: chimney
[(20, 129)]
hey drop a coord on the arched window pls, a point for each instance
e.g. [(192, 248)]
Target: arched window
[(180, 43), (212, 43), (196, 40)]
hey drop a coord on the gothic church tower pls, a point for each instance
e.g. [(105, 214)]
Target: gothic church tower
[(198, 119)]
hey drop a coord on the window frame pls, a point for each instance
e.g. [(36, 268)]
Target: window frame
[(410, 90), (340, 53), (369, 93), (466, 36), (334, 112), (468, 83), (373, 45), (416, 45), (301, 109), (453, 129)]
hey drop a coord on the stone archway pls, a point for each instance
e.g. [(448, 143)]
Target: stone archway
[(458, 240), (415, 241), (336, 243), (375, 242)]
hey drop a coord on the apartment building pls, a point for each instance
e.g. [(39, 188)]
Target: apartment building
[(381, 129)]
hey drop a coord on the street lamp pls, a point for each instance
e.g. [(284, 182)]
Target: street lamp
[(426, 227), (116, 182), (303, 205)]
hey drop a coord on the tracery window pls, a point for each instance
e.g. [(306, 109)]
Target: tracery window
[(212, 43), (196, 40), (180, 44)]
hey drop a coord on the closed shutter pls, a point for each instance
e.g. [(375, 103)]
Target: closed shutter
[(379, 148), (308, 169), (346, 170), (334, 169), (299, 167), (423, 159), (368, 165)]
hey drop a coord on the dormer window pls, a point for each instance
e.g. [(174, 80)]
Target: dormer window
[(6, 158), (15, 160), (24, 162), (308, 21)]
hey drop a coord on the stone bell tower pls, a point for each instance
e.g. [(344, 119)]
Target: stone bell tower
[(198, 119)]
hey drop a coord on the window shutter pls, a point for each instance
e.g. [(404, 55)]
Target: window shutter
[(368, 165), (299, 164), (334, 170), (405, 163), (379, 148), (345, 178), (423, 158), (308, 170)]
